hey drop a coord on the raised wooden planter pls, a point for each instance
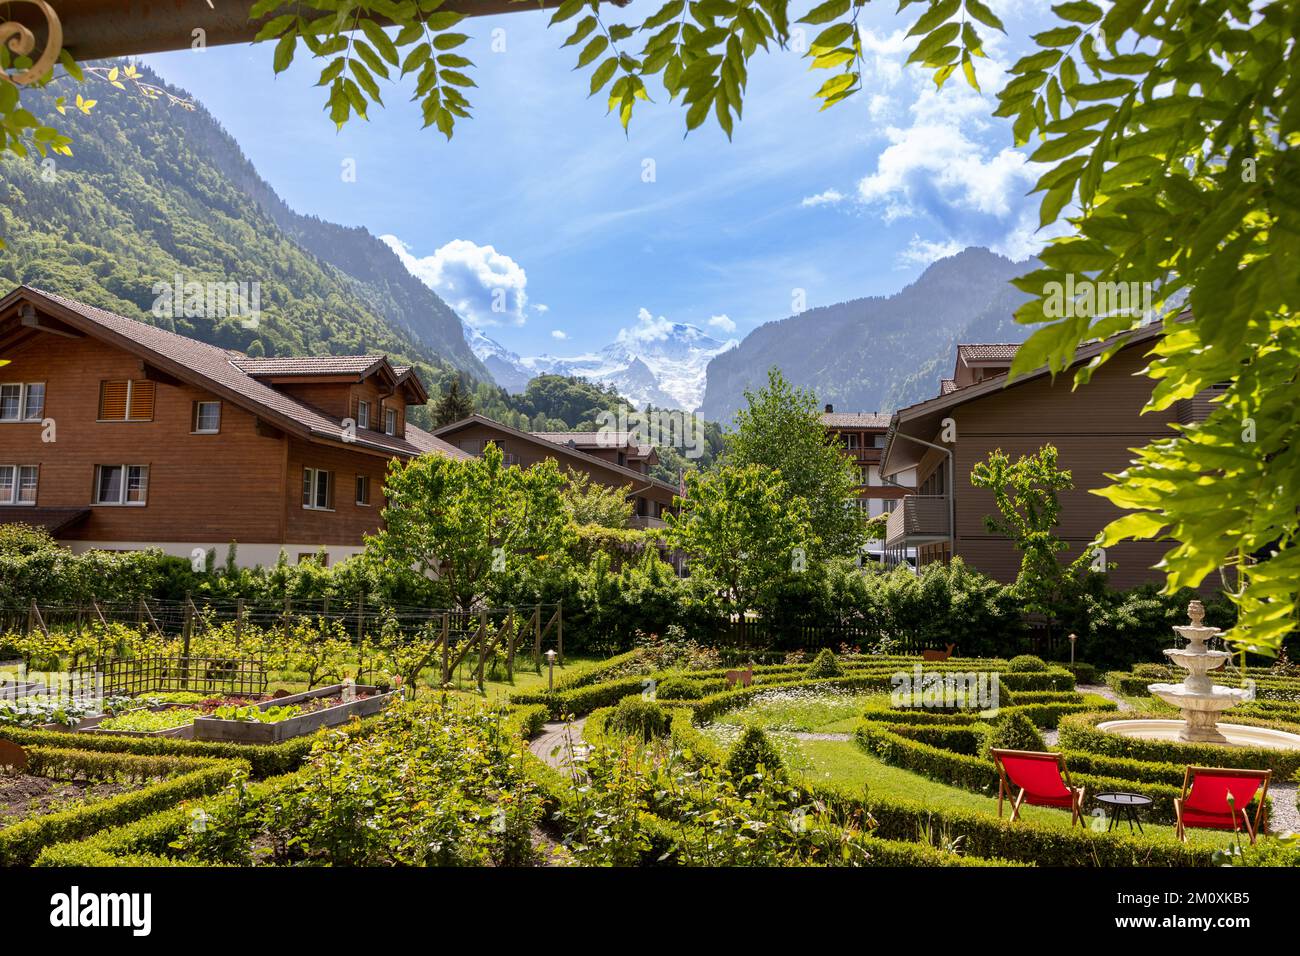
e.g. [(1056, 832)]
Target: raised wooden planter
[(251, 732)]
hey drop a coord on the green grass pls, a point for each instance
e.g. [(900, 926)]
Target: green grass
[(803, 709)]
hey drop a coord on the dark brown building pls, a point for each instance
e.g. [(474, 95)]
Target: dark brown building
[(120, 435), (977, 411), (612, 459)]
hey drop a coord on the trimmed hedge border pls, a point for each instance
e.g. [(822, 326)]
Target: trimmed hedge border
[(22, 843), (143, 838), (998, 841), (144, 841), (666, 837), (978, 773), (264, 760), (1079, 732)]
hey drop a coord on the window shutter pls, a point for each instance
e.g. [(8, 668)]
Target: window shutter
[(142, 401), (329, 490), (306, 486), (112, 401)]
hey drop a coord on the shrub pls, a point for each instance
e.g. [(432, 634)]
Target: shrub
[(824, 665), (638, 718), (1083, 673), (1153, 671), (1026, 664), (752, 751), (1015, 731), (680, 688)]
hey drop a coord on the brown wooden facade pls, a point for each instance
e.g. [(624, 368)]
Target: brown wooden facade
[(1093, 428), (241, 481), (651, 499)]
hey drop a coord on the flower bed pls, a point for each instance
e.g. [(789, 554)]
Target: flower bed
[(280, 719)]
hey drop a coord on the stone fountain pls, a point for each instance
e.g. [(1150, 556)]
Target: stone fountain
[(1200, 699)]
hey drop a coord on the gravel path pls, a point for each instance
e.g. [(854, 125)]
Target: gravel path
[(556, 740), (809, 735)]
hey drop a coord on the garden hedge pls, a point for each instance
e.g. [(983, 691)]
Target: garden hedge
[(983, 835), (144, 841), (264, 760), (1079, 732), (21, 843)]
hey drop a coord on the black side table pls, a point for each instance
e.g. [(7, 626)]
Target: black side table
[(1120, 805)]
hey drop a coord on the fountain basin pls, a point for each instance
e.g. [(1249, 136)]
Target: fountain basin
[(1232, 735)]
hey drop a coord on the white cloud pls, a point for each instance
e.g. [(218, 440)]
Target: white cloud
[(647, 329), (559, 335), (922, 252), (541, 308), (485, 286), (827, 198), (723, 323), (945, 161)]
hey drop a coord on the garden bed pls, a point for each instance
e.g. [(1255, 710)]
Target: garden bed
[(369, 700)]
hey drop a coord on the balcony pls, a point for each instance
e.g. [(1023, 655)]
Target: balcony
[(917, 518), (645, 521)]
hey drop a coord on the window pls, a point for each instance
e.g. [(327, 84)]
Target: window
[(22, 402), (363, 489), (390, 421), (18, 484), (317, 489), (878, 441), (363, 414), (207, 418), (126, 401), (121, 484)]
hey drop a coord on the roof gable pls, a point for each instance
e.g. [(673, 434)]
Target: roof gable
[(214, 369)]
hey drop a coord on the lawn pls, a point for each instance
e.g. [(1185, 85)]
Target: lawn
[(811, 710)]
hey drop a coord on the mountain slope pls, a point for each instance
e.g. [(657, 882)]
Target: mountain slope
[(154, 191), (878, 353)]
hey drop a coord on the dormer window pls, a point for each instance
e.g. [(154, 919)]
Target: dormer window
[(363, 414), (390, 421)]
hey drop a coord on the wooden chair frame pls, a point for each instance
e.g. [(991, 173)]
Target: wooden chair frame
[(1253, 828), (1006, 787)]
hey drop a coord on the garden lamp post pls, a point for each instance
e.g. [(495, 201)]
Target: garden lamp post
[(1073, 638), (550, 670)]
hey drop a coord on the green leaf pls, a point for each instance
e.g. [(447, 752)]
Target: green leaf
[(602, 74), (284, 52), (826, 12), (595, 48)]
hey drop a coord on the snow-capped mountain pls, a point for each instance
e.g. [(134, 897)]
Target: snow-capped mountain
[(660, 363)]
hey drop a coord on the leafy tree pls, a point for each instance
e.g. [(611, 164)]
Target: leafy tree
[(781, 430), (743, 532), (459, 521), (453, 406), (1029, 512), (591, 503)]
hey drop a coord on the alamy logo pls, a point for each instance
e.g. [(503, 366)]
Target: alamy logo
[(76, 909), (210, 300), (1086, 298), (975, 690)]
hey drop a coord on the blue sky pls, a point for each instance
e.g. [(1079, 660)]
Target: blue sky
[(542, 194)]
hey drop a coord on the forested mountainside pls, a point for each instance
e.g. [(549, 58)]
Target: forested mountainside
[(883, 352), (154, 191)]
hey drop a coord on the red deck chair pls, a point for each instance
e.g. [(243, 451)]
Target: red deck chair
[(1043, 781), (1204, 802)]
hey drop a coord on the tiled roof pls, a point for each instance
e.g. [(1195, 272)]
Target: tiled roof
[(855, 420), (988, 352), (596, 440), (308, 364), (947, 385), (220, 370)]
